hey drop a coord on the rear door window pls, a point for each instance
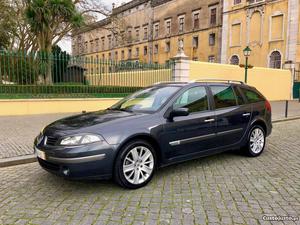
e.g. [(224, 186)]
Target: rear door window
[(252, 96), (223, 96)]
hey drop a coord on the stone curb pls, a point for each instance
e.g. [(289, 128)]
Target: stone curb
[(13, 161), (286, 119)]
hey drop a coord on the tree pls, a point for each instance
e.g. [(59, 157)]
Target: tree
[(50, 20), (7, 24), (60, 63)]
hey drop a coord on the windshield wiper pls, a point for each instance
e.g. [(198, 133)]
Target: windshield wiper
[(118, 109)]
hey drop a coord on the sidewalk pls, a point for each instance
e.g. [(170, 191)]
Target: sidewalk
[(18, 132)]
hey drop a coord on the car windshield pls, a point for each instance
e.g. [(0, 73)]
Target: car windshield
[(148, 100)]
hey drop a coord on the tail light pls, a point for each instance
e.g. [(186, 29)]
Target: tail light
[(268, 106)]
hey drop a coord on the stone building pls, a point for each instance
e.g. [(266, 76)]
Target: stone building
[(269, 27), (211, 30), (149, 31)]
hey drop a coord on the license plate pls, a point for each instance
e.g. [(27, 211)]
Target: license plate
[(40, 154)]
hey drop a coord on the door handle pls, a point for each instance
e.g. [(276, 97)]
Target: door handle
[(246, 114), (209, 120)]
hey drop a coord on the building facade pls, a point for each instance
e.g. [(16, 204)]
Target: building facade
[(270, 28), (149, 31), (212, 30)]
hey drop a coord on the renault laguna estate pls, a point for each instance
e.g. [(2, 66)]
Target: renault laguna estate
[(158, 126)]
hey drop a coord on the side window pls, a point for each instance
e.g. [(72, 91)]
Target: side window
[(223, 96), (252, 96), (195, 99), (239, 96)]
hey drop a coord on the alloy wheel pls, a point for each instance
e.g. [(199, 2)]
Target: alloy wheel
[(138, 165), (257, 140)]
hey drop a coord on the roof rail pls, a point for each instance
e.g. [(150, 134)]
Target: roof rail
[(170, 82), (216, 80)]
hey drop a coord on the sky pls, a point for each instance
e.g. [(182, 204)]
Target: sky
[(65, 44)]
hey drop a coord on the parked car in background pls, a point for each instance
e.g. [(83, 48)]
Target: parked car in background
[(158, 126)]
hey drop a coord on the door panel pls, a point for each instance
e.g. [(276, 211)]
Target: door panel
[(232, 115), (232, 124), (191, 134)]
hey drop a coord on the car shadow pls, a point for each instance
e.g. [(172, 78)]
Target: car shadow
[(109, 186)]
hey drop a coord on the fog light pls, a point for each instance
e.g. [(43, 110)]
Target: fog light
[(66, 172)]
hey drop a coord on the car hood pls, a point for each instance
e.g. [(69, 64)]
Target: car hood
[(89, 121)]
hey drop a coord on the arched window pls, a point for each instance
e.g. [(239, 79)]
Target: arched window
[(275, 60), (234, 60)]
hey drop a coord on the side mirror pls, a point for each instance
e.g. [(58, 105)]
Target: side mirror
[(178, 112)]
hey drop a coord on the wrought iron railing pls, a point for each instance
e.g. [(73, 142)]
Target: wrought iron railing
[(60, 74)]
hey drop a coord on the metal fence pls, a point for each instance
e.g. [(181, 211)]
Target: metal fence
[(297, 75), (41, 74)]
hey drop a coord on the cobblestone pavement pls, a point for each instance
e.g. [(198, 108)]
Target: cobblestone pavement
[(224, 189), (18, 132)]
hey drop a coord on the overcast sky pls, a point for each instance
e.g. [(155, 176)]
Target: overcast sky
[(66, 43)]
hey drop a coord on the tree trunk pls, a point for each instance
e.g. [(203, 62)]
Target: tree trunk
[(48, 75), (45, 46), (48, 62)]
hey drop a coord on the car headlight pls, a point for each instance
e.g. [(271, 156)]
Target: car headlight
[(81, 139)]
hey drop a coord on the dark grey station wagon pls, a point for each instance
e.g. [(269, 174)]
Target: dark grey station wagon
[(160, 125)]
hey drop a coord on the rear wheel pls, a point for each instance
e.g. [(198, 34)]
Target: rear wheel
[(135, 164), (256, 141)]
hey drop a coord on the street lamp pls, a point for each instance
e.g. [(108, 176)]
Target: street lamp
[(247, 52)]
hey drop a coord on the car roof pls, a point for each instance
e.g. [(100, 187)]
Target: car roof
[(207, 82)]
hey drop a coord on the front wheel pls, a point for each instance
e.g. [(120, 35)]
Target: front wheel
[(135, 164), (256, 141)]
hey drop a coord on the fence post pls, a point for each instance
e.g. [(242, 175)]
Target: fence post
[(181, 71), (286, 108)]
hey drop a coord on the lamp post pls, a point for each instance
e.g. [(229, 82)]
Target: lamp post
[(247, 52)]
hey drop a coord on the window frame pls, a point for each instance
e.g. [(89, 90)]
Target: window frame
[(167, 46), (213, 22), (274, 62), (253, 90), (145, 52), (236, 88), (234, 56), (208, 96), (156, 30), (168, 27), (213, 100), (155, 49), (196, 20), (181, 22), (195, 42), (212, 36)]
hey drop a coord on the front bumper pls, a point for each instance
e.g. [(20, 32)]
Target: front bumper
[(92, 161)]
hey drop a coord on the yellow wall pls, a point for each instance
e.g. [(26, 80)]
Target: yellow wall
[(131, 78), (265, 33), (47, 106), (274, 84)]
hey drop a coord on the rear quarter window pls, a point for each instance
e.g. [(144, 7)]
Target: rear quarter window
[(223, 96), (252, 96)]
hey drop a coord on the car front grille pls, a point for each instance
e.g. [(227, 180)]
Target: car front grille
[(49, 140)]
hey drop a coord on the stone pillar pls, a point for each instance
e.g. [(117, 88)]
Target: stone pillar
[(181, 71)]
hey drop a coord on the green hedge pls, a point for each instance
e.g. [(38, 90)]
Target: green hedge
[(48, 96), (59, 89)]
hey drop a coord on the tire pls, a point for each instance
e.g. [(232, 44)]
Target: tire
[(256, 141), (139, 170)]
